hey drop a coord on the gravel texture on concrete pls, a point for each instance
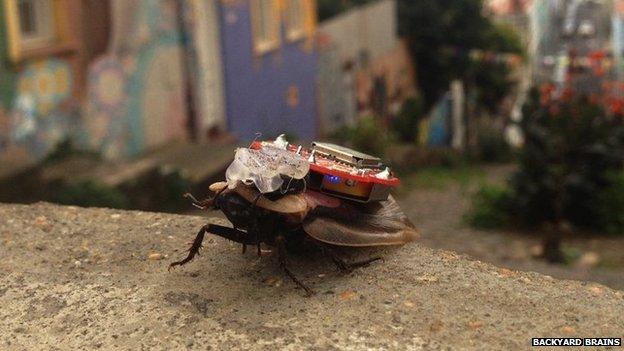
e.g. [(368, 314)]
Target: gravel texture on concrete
[(73, 278)]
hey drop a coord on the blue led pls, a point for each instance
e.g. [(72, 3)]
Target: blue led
[(333, 179)]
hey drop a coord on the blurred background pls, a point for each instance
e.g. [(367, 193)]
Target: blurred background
[(504, 118)]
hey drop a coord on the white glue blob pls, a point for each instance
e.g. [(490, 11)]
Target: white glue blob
[(264, 168)]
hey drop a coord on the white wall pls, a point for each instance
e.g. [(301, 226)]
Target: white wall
[(372, 27)]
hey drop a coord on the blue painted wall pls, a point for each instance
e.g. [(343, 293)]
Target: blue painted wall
[(256, 87)]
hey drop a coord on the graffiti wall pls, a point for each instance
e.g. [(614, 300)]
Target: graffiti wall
[(137, 90), (42, 112), (134, 97), (38, 96)]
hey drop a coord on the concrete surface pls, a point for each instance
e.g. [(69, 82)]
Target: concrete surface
[(75, 278)]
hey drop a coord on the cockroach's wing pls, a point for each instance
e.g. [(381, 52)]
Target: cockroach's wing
[(375, 224), (289, 204)]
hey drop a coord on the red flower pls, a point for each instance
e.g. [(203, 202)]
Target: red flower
[(546, 92), (567, 94), (554, 110)]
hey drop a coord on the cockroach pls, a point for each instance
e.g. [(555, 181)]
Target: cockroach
[(277, 193)]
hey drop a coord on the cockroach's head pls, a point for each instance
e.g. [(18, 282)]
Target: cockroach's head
[(235, 208)]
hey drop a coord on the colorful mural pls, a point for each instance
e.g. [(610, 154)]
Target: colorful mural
[(137, 90), (167, 70), (106, 106), (47, 83), (135, 93), (43, 113)]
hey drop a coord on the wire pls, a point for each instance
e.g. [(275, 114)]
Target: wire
[(258, 135)]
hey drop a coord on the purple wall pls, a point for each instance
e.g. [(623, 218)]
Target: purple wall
[(256, 87)]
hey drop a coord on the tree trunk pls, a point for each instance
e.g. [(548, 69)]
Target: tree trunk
[(552, 247)]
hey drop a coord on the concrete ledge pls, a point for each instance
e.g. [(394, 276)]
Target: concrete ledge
[(73, 278)]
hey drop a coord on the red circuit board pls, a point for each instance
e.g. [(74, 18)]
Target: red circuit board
[(328, 166)]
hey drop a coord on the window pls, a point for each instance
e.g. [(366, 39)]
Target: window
[(33, 27), (295, 16), (265, 25), (36, 22)]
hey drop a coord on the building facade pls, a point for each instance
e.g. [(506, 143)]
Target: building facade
[(364, 68), (270, 68), (43, 69), (125, 76)]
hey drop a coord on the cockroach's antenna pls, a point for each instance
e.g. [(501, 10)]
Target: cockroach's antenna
[(194, 201), (258, 135)]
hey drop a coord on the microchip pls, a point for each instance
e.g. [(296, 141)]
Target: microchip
[(346, 155)]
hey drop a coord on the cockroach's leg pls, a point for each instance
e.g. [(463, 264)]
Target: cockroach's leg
[(224, 232), (255, 225), (244, 248), (281, 250), (194, 250)]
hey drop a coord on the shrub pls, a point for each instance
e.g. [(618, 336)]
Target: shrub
[(90, 194), (65, 149), (369, 136), (490, 207), (610, 206), (405, 124), (572, 145), (570, 167), (492, 146), (174, 184), (159, 190)]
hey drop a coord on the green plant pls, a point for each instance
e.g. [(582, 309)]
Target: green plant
[(89, 194), (492, 146), (571, 254), (369, 136), (490, 208), (573, 144), (440, 177), (405, 124), (439, 34), (174, 184), (450, 158), (65, 149), (610, 205), (159, 190)]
